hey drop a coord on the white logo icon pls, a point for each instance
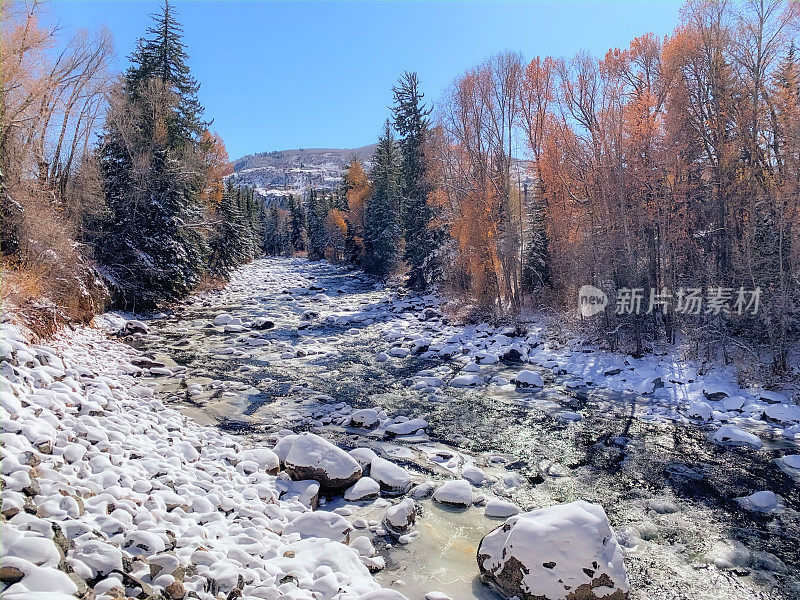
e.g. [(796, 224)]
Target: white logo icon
[(591, 300)]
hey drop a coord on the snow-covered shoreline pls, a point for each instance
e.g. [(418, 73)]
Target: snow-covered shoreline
[(107, 488), (99, 423)]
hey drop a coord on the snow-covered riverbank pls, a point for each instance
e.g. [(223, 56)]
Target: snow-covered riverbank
[(106, 489), (698, 477)]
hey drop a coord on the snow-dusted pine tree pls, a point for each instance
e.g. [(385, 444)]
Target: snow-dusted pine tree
[(382, 231)]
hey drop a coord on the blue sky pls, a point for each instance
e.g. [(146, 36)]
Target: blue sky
[(279, 75)]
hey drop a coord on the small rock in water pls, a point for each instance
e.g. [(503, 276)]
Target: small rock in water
[(399, 519)]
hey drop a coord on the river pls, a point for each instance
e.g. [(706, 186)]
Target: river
[(669, 492)]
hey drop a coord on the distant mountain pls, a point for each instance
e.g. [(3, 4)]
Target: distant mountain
[(282, 172)]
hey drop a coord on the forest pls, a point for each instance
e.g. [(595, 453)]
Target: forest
[(670, 165)]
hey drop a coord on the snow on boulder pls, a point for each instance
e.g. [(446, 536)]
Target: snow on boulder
[(473, 474), (700, 410), (365, 418), (470, 380), (399, 352), (134, 326), (457, 492), (222, 319), (773, 397), (321, 524), (500, 509), (264, 457), (763, 502), (406, 427), (729, 435), (393, 479), (399, 519), (527, 378), (313, 457), (784, 413), (365, 488), (563, 552), (363, 457)]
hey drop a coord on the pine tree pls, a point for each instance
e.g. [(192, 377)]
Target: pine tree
[(317, 212), (151, 246), (412, 123), (297, 224), (161, 55), (382, 231), (228, 246), (537, 261)]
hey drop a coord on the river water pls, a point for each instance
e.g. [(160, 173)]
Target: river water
[(668, 491)]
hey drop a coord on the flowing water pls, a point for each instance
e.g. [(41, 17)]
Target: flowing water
[(668, 491)]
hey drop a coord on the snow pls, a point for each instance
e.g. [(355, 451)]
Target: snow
[(313, 457), (473, 474), (527, 378), (763, 502), (500, 509), (399, 518), (365, 488)]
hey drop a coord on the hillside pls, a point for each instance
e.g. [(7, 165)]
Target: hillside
[(283, 172)]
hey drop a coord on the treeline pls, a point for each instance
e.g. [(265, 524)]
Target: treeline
[(381, 220), (111, 175), (671, 167)]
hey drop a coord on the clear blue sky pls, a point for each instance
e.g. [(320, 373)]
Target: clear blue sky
[(279, 75)]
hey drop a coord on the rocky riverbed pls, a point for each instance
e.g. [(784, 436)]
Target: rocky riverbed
[(459, 426)]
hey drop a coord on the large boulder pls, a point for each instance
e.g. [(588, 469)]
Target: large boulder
[(563, 552), (313, 457), (393, 479)]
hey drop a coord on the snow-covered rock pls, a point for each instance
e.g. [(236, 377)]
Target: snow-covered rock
[(321, 524), (763, 502), (365, 418), (730, 435), (393, 479), (473, 474), (561, 552), (313, 457), (399, 518), (406, 427), (365, 488), (468, 380), (222, 319), (527, 378), (457, 492), (500, 509)]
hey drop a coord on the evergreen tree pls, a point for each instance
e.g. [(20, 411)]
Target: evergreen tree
[(297, 224), (228, 243), (161, 55), (421, 241), (151, 244), (317, 212), (536, 261), (382, 232)]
